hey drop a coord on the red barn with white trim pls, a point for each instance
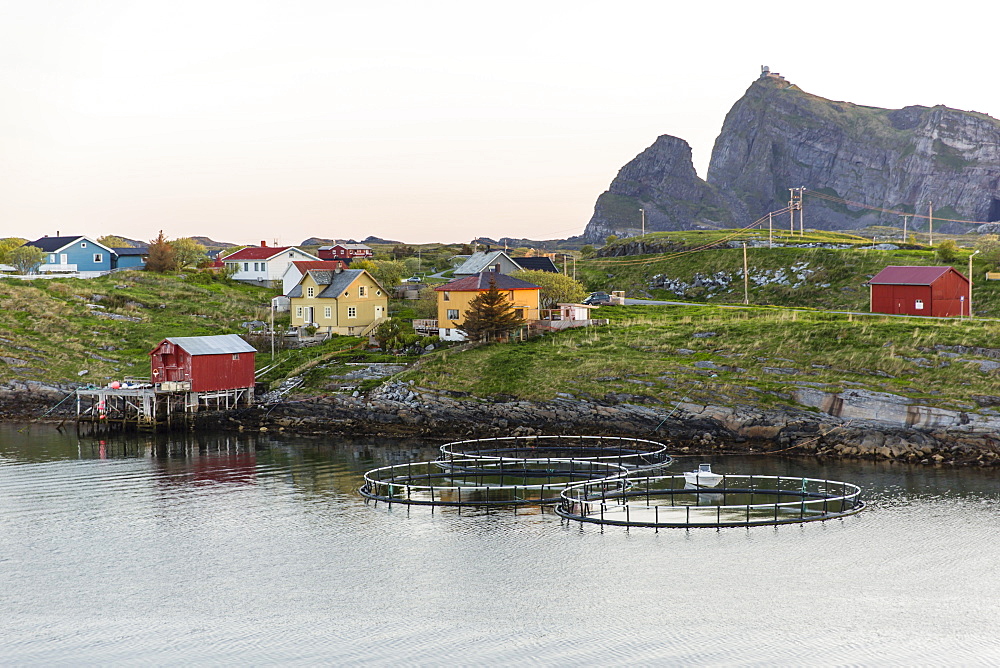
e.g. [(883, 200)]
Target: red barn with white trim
[(209, 363), (934, 291)]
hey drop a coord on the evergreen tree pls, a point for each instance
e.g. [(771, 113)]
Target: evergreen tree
[(161, 255), (490, 316)]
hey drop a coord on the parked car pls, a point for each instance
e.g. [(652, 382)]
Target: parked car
[(412, 279), (598, 299)]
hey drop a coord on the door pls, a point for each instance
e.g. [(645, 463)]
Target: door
[(378, 312), (307, 315), (63, 258)]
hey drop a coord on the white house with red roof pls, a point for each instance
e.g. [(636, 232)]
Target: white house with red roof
[(264, 265), (296, 270)]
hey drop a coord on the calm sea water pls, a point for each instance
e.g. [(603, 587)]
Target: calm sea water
[(258, 550)]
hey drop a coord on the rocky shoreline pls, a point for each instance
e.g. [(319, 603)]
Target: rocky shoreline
[(861, 425)]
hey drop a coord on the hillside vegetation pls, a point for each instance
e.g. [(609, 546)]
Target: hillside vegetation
[(658, 355), (795, 275), (52, 329)]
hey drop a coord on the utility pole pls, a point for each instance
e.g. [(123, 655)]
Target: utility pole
[(970, 283), (272, 328), (802, 210), (643, 212), (770, 231), (930, 220), (746, 277), (791, 211), (795, 204), (904, 229)]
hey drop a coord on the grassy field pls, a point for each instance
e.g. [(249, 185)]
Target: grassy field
[(51, 330), (836, 278), (752, 356)]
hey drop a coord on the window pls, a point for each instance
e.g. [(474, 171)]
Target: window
[(98, 257), (310, 292), (378, 293), (519, 312), (361, 291), (52, 258), (298, 311), (453, 314), (447, 332), (256, 266), (246, 266), (447, 296), (83, 244), (263, 266), (919, 305), (327, 312), (236, 356), (352, 311)]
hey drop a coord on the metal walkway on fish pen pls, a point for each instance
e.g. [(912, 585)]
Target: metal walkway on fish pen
[(635, 454), (740, 501)]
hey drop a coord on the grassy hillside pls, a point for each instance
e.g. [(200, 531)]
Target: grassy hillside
[(52, 329), (834, 278), (658, 355)]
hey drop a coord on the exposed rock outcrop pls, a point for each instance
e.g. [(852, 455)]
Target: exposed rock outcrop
[(662, 181), (778, 137)]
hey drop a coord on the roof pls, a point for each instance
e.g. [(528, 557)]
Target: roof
[(54, 244), (261, 253), (910, 275), (479, 261), (130, 251), (306, 265), (221, 344), (335, 282), (481, 281), (541, 263)]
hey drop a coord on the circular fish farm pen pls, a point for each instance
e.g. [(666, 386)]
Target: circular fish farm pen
[(635, 454), (477, 482), (738, 501)]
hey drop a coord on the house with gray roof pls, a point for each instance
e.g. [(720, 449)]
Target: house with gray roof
[(339, 301)]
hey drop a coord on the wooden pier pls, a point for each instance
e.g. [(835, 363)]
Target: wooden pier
[(152, 408)]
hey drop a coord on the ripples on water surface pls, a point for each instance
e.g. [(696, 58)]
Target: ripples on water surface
[(253, 549)]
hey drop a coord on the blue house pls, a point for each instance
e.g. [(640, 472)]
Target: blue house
[(130, 258), (80, 253)]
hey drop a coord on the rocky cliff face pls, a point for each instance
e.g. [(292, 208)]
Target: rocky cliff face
[(778, 137), (662, 181)]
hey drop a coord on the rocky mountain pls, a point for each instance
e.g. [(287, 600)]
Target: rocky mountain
[(777, 137), (662, 182)]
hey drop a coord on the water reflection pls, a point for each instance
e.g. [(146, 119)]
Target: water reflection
[(255, 548)]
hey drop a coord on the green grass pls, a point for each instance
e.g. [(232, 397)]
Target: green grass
[(48, 333), (649, 353)]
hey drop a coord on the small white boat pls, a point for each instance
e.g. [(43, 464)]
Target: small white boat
[(703, 477)]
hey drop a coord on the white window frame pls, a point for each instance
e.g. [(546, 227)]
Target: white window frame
[(98, 257), (450, 312), (352, 311), (298, 311), (83, 244), (310, 291), (361, 291), (246, 266), (327, 312), (919, 305)]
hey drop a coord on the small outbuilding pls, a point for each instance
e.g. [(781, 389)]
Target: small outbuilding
[(208, 363), (932, 291)]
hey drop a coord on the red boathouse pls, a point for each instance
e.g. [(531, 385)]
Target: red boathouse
[(209, 363), (933, 291)]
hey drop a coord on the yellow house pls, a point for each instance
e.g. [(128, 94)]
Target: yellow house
[(454, 297), (345, 301)]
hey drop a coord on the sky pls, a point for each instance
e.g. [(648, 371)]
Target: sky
[(248, 121)]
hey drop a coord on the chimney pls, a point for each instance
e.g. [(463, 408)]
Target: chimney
[(496, 267), (263, 244)]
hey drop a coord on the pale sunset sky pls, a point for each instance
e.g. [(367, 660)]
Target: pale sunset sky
[(417, 121)]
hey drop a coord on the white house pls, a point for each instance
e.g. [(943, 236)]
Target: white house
[(264, 265), (296, 270)]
